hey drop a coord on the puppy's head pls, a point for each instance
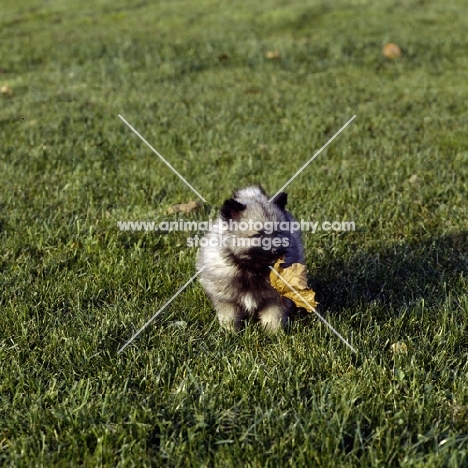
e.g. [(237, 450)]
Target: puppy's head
[(252, 227)]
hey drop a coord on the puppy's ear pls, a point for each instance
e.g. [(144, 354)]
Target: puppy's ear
[(232, 209), (280, 200)]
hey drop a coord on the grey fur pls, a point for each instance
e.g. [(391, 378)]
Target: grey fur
[(236, 277)]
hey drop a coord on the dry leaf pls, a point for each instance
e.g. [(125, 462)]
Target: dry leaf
[(296, 276), (178, 324), (399, 348), (253, 90), (273, 54), (184, 207), (6, 90), (391, 51)]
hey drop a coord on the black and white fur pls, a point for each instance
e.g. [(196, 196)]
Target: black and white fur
[(235, 277)]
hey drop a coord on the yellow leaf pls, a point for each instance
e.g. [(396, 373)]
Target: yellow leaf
[(273, 54), (6, 90), (296, 290), (399, 348), (391, 50), (184, 207)]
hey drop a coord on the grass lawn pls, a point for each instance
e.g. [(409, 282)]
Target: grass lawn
[(194, 80)]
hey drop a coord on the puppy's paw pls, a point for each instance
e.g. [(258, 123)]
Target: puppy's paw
[(273, 318), (229, 318)]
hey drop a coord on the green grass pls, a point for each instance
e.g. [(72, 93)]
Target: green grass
[(74, 288)]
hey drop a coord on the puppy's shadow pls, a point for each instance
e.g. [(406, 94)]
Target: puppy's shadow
[(395, 276)]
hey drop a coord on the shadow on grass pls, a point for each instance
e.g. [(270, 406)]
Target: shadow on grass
[(394, 277)]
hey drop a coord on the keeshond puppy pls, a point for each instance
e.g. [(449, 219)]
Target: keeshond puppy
[(247, 238)]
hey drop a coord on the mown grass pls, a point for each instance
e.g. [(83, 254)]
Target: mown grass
[(74, 288)]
